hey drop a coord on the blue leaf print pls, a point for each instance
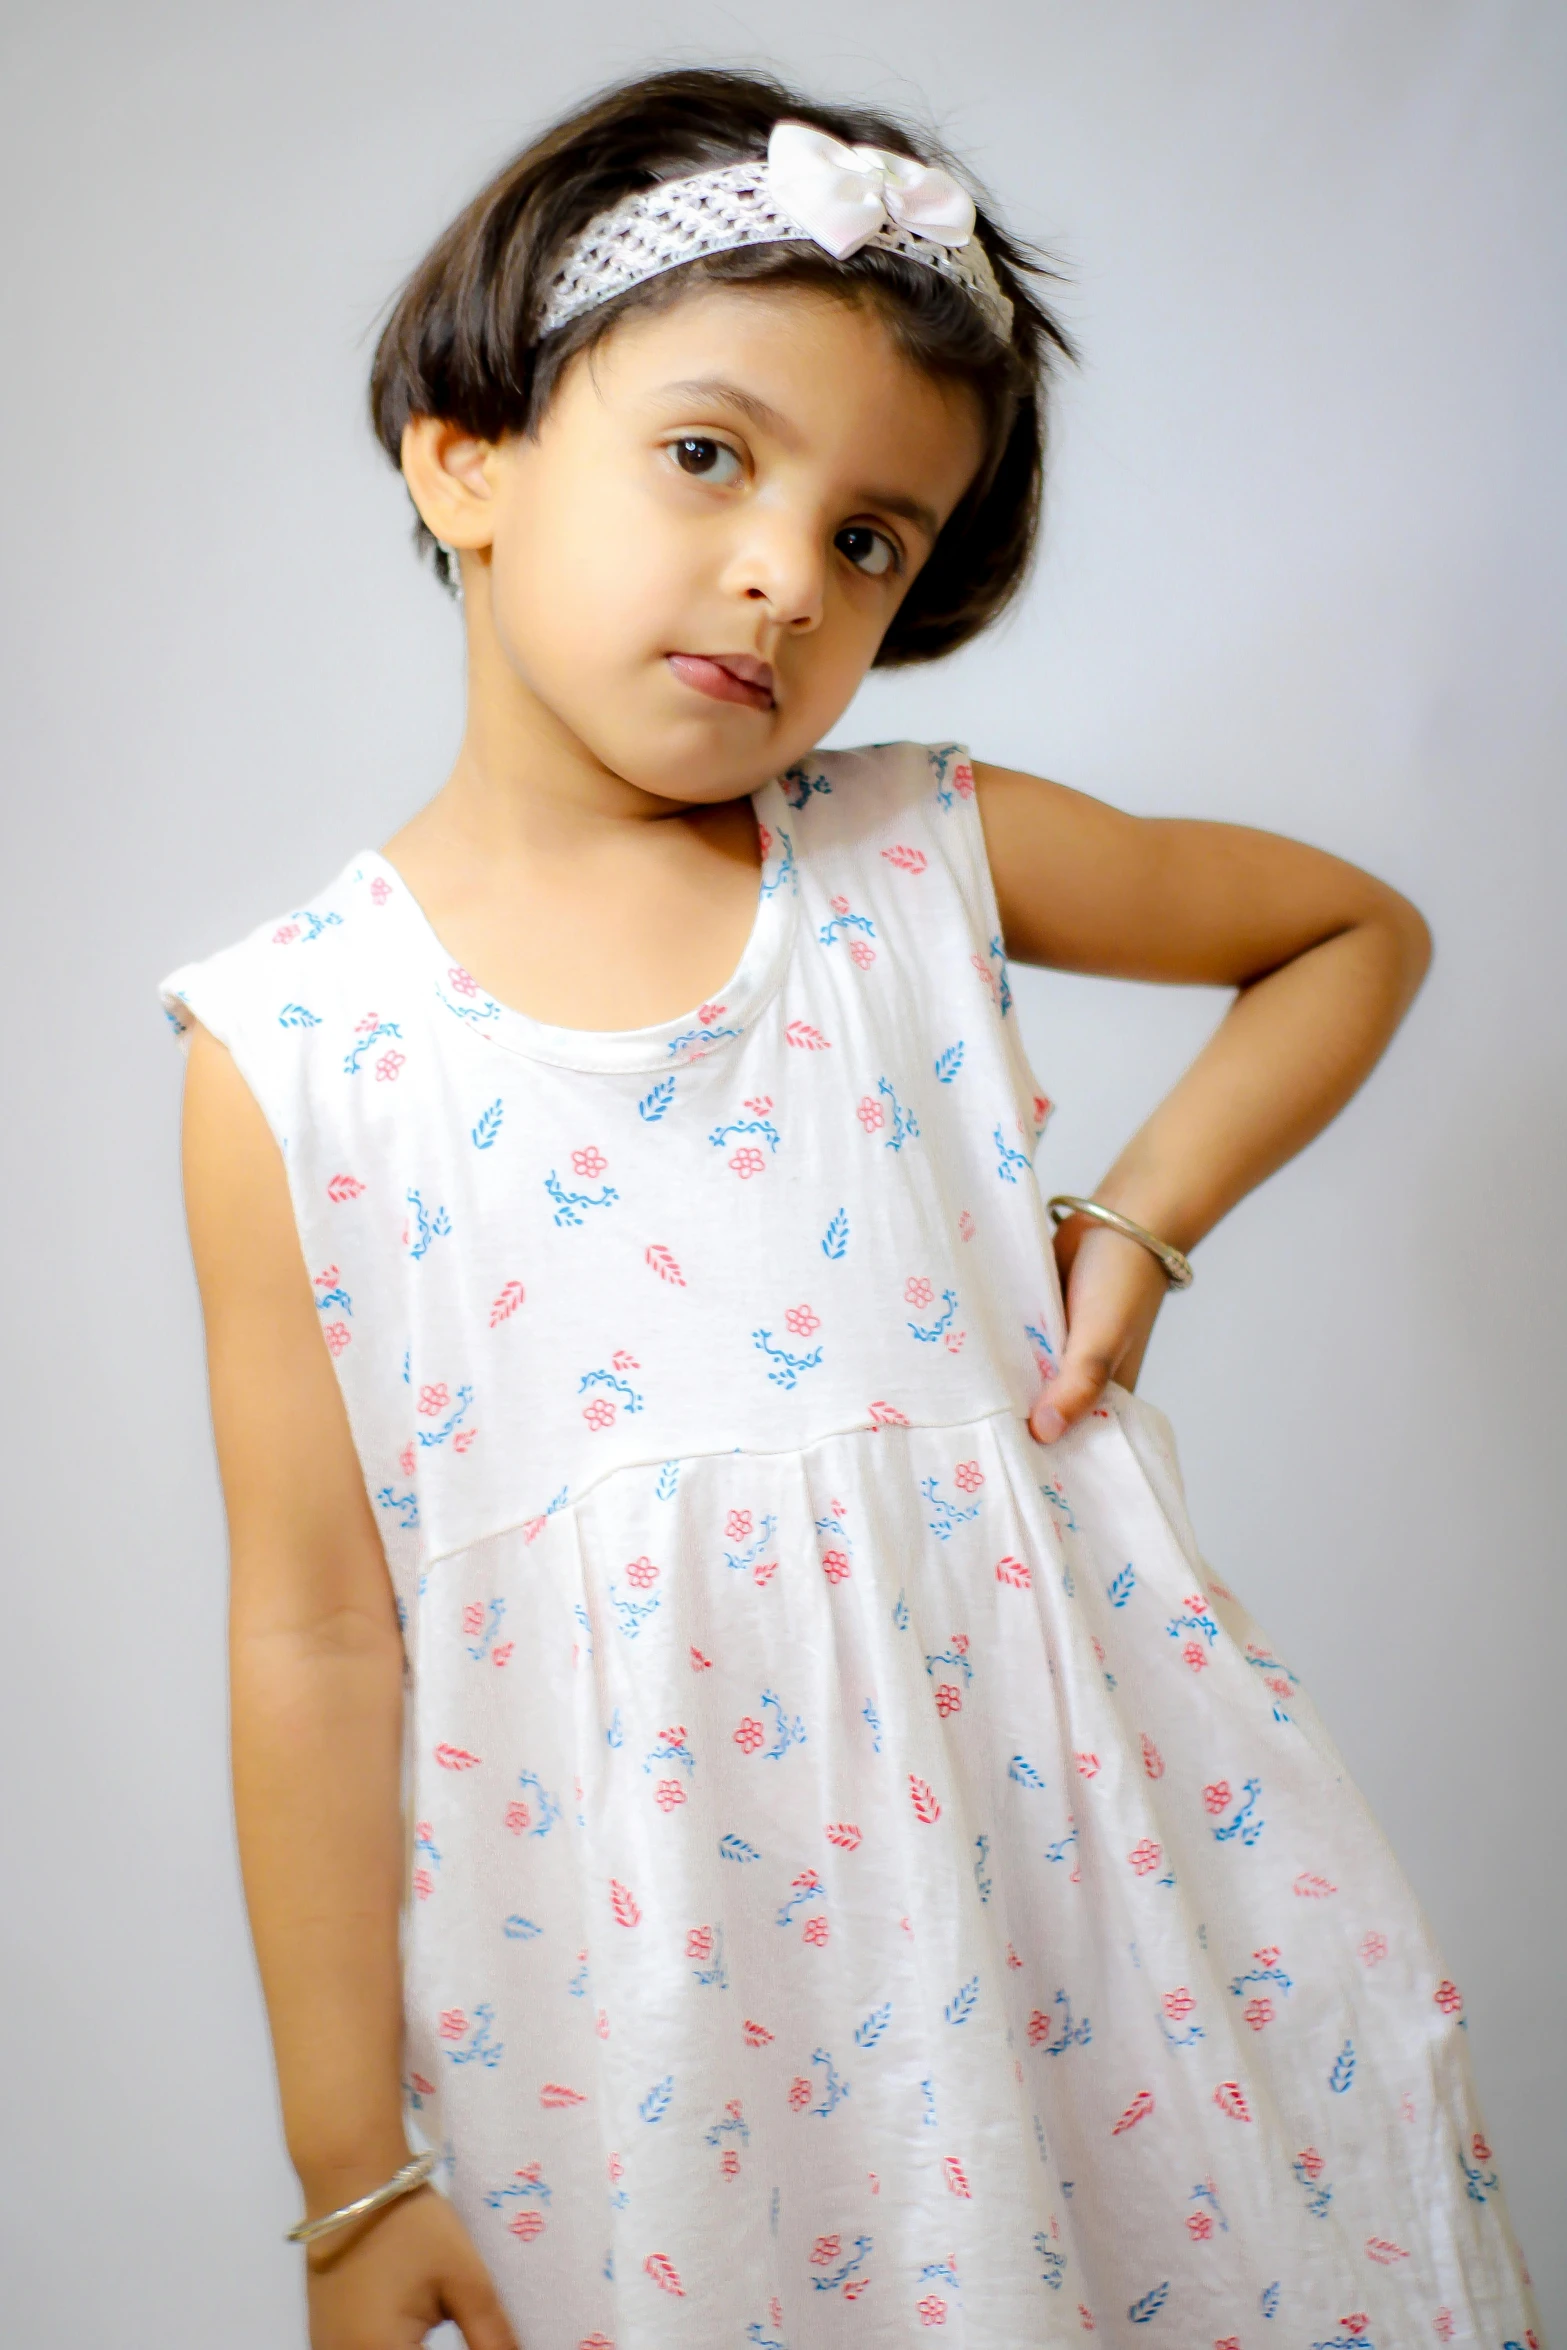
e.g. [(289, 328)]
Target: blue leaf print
[(296, 1016), (949, 1063), (1270, 2300), (836, 1238), (653, 1105), (655, 2104), (1120, 1587), (668, 1479), (867, 2034), (521, 1930), (963, 2002), (488, 1126), (1150, 2304), (736, 1848), (1343, 2068), (1021, 1769)]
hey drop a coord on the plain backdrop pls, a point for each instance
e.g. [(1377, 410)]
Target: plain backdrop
[(1304, 569)]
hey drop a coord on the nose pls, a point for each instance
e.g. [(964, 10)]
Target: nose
[(780, 562)]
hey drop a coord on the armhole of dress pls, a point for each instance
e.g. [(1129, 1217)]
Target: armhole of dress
[(957, 821), (197, 992)]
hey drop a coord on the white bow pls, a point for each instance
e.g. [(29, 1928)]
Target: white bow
[(842, 195)]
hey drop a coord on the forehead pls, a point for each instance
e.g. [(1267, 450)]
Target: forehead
[(820, 372)]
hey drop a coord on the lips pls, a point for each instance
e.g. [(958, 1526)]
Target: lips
[(726, 677)]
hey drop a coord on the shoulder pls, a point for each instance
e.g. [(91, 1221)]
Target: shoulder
[(290, 972), (855, 793)]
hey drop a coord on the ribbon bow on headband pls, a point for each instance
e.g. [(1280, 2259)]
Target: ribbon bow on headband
[(842, 195)]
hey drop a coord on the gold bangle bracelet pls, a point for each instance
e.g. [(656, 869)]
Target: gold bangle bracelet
[(1177, 1267), (402, 2182)]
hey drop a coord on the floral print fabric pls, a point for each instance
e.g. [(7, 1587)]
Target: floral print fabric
[(869, 1881)]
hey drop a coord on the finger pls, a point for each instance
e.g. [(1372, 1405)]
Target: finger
[(472, 2301), (1075, 1389)]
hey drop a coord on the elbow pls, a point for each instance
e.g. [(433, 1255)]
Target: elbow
[(1412, 941)]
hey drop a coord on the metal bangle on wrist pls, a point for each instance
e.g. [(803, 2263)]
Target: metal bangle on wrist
[(1177, 1266), (413, 2175)]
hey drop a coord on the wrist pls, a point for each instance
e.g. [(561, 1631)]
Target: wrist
[(330, 2177)]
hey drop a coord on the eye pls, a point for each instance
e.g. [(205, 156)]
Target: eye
[(705, 460), (870, 551)]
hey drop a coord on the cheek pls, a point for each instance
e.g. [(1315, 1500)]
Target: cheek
[(599, 574)]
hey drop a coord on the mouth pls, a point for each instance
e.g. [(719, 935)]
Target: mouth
[(726, 677)]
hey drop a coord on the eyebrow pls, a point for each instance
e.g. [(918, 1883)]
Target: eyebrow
[(770, 419)]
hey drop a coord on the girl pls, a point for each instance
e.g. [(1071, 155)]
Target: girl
[(858, 1871)]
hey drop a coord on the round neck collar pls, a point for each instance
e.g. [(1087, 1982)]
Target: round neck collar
[(670, 1044)]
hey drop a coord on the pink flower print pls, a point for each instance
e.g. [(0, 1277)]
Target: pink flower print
[(871, 1114), (729, 2163), (1087, 1764), (968, 1476), (699, 1662), (668, 1793), (917, 1291), (835, 1566), (932, 2310), (462, 981), (641, 1573), (600, 1413), (387, 1067), (1145, 1857), (709, 1013), (285, 934), (1153, 1760), (1178, 2005), (799, 2094), (699, 1942), (503, 1654), (816, 1932), (1442, 2325), (862, 953), (966, 1226), (747, 1162), (405, 1459), (825, 2251), (1085, 2318), (759, 1104), (453, 2023), (433, 1400), (963, 780), (949, 1699), (738, 1525), (380, 889), (1199, 2226), (473, 1619), (1268, 1956), (337, 1335), (1310, 2161), (463, 1439), (1373, 1948), (363, 1027), (1195, 1655), (750, 1734), (423, 1884), (589, 1162), (526, 2225), (802, 1321), (839, 905), (1482, 2150), (518, 1818), (1217, 1797), (1257, 2013), (1448, 1997)]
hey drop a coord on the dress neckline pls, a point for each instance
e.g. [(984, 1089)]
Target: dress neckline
[(670, 1044)]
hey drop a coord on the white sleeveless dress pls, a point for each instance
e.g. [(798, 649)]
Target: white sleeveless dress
[(867, 1877)]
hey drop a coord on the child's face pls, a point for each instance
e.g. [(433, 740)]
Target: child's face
[(751, 478)]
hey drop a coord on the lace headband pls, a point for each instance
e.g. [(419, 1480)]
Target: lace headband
[(808, 188)]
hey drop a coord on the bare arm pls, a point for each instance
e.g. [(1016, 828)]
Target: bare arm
[(316, 1665), (1325, 960)]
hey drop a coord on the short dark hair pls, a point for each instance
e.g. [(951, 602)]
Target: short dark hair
[(461, 342)]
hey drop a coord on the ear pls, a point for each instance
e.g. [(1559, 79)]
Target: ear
[(447, 469)]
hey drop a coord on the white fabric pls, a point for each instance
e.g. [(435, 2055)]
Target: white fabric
[(843, 195), (894, 206), (868, 1878)]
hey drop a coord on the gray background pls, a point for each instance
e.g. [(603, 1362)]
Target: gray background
[(1305, 570)]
